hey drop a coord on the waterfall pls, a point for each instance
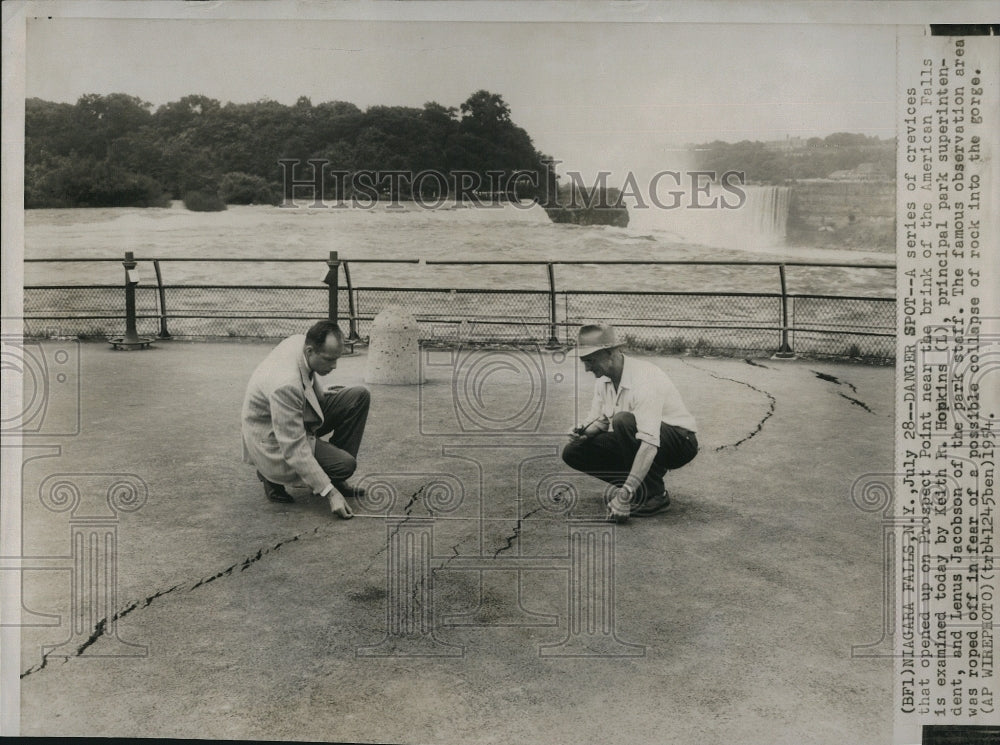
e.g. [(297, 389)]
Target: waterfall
[(759, 223), (766, 210)]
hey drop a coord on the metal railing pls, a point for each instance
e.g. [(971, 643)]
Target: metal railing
[(777, 322)]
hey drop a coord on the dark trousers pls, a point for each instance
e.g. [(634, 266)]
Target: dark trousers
[(345, 413), (609, 455)]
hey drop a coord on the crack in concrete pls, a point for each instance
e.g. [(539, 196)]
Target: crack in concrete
[(833, 379), (856, 402), (148, 601), (96, 634), (417, 586), (755, 364), (407, 515), (454, 555), (516, 534), (413, 499), (36, 668), (760, 425), (250, 560), (101, 626)]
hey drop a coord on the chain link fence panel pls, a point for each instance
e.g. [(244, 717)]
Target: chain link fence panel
[(735, 323), (506, 316), (232, 311), (826, 326), (682, 322), (86, 311)]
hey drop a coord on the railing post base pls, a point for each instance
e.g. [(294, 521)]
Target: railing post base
[(131, 339)]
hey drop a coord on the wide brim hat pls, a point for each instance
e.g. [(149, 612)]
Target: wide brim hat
[(594, 338)]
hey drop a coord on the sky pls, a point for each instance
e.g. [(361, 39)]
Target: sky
[(596, 96)]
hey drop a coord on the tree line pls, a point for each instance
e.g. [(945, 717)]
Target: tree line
[(817, 157), (118, 150)]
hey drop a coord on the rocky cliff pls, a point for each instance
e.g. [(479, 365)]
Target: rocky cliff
[(588, 207), (843, 214)]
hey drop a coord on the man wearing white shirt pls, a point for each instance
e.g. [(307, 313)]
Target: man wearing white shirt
[(638, 427)]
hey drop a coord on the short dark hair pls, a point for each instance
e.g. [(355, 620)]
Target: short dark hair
[(317, 333)]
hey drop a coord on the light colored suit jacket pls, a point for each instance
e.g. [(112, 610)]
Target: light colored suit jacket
[(281, 410)]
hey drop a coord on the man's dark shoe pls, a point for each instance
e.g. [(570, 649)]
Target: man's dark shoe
[(349, 490), (274, 492), (652, 505)]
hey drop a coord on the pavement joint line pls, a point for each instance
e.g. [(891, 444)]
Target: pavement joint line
[(760, 424)]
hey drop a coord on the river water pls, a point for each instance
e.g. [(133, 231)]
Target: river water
[(471, 233)]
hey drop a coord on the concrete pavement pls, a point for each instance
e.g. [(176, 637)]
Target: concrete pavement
[(737, 609)]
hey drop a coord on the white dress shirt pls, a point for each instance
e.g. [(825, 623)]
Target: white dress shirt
[(645, 391)]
